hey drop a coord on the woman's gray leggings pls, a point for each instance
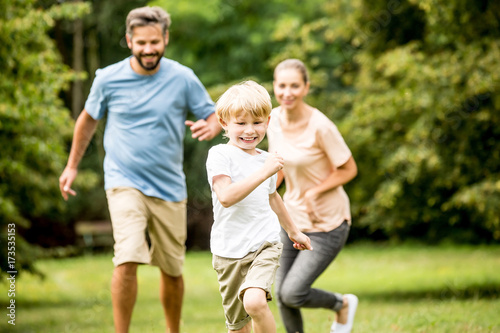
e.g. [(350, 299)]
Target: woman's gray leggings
[(299, 269)]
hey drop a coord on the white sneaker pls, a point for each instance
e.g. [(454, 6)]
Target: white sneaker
[(347, 327)]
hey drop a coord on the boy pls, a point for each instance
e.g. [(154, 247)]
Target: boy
[(248, 210)]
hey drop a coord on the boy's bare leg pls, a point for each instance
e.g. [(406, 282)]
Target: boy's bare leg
[(171, 295), (256, 306), (246, 329), (123, 295)]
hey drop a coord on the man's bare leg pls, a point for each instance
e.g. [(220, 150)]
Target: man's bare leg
[(123, 295), (171, 295)]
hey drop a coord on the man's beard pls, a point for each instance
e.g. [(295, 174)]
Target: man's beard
[(150, 67)]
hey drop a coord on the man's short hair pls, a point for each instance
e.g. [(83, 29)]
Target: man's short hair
[(144, 16)]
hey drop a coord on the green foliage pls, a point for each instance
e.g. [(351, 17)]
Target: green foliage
[(425, 125), (107, 22), (34, 125), (228, 40)]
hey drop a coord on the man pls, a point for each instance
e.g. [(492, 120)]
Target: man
[(146, 98)]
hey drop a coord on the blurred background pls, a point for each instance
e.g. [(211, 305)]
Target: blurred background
[(413, 86)]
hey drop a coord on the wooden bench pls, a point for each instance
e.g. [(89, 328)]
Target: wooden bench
[(94, 234)]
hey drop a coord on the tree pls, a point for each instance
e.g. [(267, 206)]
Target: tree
[(34, 125), (424, 120)]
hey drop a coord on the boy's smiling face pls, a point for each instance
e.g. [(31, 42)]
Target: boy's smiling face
[(246, 131)]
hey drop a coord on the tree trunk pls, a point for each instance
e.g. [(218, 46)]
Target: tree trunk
[(77, 91)]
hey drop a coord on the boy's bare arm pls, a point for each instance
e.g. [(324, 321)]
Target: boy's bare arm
[(299, 239), (230, 193)]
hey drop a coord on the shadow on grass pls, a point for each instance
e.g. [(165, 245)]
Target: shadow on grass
[(64, 303), (475, 291)]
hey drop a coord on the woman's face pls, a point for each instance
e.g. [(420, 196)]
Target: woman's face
[(290, 88)]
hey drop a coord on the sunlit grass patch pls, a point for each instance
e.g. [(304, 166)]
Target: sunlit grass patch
[(409, 288)]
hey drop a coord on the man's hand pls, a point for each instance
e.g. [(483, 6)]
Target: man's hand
[(202, 129), (85, 127), (65, 181)]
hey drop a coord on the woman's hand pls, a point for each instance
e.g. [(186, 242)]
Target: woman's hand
[(311, 198)]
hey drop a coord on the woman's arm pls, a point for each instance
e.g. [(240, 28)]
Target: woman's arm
[(340, 176), (281, 177)]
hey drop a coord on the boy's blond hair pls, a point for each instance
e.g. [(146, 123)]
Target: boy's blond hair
[(245, 97)]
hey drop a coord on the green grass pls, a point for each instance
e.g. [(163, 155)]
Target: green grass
[(411, 288)]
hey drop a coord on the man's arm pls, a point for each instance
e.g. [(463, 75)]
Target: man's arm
[(204, 129), (85, 127)]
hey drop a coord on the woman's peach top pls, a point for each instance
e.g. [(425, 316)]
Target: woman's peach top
[(310, 157)]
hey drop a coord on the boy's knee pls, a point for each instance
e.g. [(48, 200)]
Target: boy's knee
[(254, 301)]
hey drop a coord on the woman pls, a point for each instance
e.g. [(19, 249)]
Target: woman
[(317, 164)]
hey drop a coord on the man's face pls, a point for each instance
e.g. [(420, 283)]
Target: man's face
[(147, 45)]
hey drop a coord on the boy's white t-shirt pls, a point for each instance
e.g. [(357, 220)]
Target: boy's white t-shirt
[(245, 226)]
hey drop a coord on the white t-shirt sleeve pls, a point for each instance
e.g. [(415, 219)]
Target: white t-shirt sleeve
[(218, 163), (272, 184)]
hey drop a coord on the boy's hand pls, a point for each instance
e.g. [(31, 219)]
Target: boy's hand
[(301, 242), (274, 163)]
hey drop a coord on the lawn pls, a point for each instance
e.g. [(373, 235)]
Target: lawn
[(410, 288)]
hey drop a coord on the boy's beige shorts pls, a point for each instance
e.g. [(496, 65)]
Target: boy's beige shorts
[(255, 270)]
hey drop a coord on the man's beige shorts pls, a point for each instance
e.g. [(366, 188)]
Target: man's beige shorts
[(255, 270), (132, 213)]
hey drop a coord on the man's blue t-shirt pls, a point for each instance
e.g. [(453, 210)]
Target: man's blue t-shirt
[(145, 127)]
